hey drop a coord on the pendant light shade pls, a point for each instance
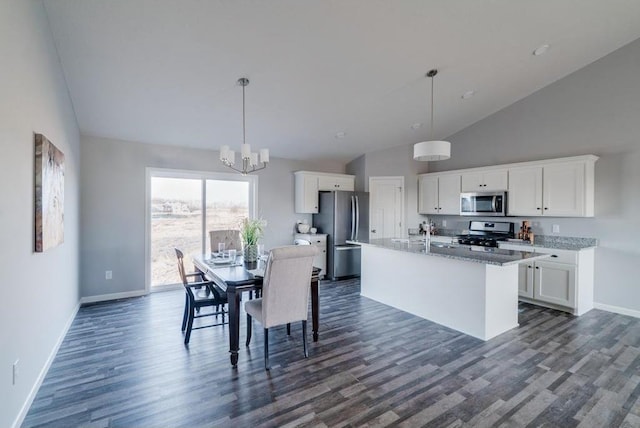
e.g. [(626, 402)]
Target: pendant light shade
[(432, 150)]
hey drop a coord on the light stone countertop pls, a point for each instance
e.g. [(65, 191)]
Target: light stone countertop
[(492, 256), (543, 241)]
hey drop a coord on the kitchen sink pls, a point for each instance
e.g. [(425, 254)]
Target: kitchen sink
[(443, 245)]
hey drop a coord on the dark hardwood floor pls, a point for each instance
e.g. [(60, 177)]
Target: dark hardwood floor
[(124, 364)]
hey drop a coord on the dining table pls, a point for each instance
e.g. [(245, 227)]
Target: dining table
[(236, 277)]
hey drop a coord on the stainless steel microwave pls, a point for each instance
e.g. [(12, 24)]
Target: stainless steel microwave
[(484, 204)]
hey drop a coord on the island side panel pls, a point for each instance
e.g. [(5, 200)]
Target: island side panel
[(445, 291), (501, 285)]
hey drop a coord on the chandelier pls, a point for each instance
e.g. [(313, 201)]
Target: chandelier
[(250, 161)]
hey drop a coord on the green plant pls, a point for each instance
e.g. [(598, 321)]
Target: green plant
[(252, 230)]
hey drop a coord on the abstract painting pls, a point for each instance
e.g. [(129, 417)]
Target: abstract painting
[(49, 194)]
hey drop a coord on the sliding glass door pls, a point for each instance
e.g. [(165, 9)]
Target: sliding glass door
[(182, 208)]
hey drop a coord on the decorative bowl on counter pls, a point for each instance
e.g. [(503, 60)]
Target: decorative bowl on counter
[(313, 230), (303, 228)]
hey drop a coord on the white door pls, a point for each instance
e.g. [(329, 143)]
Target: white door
[(386, 207)]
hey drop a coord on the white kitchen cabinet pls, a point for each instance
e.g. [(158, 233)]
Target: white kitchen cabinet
[(485, 181), (554, 189), (439, 194), (562, 281), (336, 182), (525, 191), (555, 283), (318, 240), (525, 280), (308, 184)]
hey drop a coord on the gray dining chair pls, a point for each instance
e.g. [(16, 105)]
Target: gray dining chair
[(285, 293)]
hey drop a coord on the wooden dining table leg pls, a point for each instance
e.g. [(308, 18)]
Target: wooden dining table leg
[(315, 308), (233, 298)]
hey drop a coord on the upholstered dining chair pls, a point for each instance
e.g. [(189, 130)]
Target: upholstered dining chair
[(231, 239), (198, 295), (285, 293)]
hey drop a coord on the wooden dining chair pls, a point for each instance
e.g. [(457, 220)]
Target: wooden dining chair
[(285, 293), (198, 295), (231, 239)]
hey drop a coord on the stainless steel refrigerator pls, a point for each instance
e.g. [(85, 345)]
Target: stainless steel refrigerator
[(343, 216)]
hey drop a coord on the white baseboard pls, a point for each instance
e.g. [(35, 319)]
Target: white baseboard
[(617, 309), (113, 296), (52, 355)]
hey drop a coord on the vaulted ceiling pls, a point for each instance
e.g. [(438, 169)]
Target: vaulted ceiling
[(165, 71)]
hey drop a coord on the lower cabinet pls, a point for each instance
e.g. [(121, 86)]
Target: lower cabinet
[(562, 281), (548, 282), (318, 240)]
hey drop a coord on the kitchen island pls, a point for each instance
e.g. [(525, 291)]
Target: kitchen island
[(474, 291)]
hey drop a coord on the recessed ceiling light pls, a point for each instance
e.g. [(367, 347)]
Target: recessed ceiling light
[(468, 95), (340, 135), (541, 50), (416, 125)]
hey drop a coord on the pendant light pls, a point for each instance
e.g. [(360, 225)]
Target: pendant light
[(432, 150), (249, 160)]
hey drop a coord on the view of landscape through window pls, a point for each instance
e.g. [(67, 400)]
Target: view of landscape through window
[(177, 210)]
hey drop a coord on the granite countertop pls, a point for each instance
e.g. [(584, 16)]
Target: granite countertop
[(558, 242), (491, 256), (544, 241)]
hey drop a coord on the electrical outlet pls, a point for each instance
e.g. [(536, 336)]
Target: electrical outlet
[(108, 274), (444, 223), (15, 372), (556, 228)]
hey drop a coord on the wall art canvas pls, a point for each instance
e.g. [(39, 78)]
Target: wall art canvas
[(49, 194)]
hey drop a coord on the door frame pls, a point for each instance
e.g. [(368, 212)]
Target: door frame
[(400, 180), (151, 172)]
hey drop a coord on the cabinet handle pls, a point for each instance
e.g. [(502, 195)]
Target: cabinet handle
[(553, 255), (529, 266), (537, 267), (538, 208), (435, 208), (546, 208)]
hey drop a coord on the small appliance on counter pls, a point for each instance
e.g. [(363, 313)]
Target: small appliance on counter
[(487, 233)]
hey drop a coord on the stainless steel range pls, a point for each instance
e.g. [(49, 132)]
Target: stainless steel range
[(487, 233)]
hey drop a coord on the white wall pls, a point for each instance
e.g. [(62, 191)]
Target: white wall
[(38, 292), (595, 110), (113, 205)]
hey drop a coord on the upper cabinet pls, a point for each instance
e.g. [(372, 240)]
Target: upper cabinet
[(336, 182), (485, 181), (561, 187), (555, 189), (439, 194), (308, 184)]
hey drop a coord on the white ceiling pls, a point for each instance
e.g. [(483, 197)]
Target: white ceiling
[(165, 71)]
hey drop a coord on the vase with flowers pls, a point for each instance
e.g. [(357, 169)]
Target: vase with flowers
[(251, 232)]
